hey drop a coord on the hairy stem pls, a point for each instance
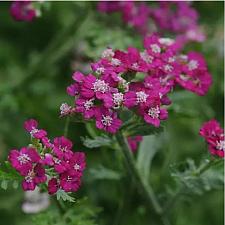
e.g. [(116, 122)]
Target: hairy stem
[(143, 186)]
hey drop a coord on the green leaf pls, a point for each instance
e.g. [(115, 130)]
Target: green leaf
[(195, 182), (143, 129), (60, 194), (8, 173), (4, 184), (146, 152), (102, 173), (98, 141)]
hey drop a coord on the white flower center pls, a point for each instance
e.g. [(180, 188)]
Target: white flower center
[(117, 99), (33, 131), (29, 177), (100, 85), (171, 59), (220, 145), (141, 96), (65, 109), (69, 179), (166, 41), (135, 66), (155, 48), (183, 58), (146, 57), (76, 167), (107, 120), (184, 77), (88, 104), (57, 161), (192, 65), (154, 112), (107, 53), (63, 149), (23, 158), (100, 70), (168, 68), (115, 62)]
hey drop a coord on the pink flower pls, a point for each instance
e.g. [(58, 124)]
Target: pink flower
[(211, 128), (31, 126), (34, 177), (53, 186), (93, 87), (73, 89), (60, 165), (152, 112), (23, 11), (198, 81), (64, 168), (86, 107), (66, 109), (62, 147), (152, 45), (133, 142), (194, 75), (46, 142), (131, 61), (214, 136), (69, 182), (107, 120), (77, 163), (23, 160), (48, 159)]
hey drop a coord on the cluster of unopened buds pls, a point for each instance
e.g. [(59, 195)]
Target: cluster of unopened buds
[(214, 136), (177, 17), (53, 164), (136, 81)]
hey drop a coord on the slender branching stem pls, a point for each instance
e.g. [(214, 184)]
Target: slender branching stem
[(140, 183)]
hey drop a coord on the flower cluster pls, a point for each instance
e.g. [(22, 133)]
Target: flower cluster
[(173, 16), (23, 11), (114, 85), (214, 136), (54, 164)]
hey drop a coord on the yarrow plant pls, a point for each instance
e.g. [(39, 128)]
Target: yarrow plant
[(123, 100), (176, 17), (53, 164), (114, 84)]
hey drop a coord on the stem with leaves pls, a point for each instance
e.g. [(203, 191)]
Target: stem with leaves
[(143, 186), (209, 164)]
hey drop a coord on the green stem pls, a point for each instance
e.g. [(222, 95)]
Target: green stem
[(59, 206), (66, 128), (208, 165), (143, 186)]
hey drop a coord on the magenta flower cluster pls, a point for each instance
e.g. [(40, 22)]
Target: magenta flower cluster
[(53, 164), (23, 11), (177, 17), (214, 136), (114, 85)]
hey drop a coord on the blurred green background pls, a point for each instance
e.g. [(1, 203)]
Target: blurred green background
[(36, 63)]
